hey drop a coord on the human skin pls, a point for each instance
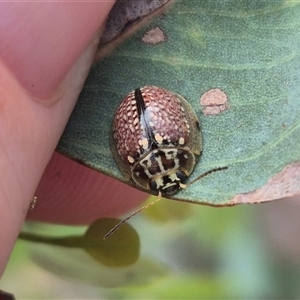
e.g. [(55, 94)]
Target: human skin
[(46, 51)]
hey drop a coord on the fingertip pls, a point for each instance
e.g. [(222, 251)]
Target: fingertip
[(70, 193), (41, 41)]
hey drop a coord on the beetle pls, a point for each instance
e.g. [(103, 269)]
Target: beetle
[(156, 139), (156, 142)]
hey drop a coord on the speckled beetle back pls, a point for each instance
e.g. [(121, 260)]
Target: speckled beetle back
[(156, 139)]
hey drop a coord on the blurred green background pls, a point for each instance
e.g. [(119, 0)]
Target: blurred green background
[(187, 252)]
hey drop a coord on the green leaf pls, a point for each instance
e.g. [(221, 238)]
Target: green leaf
[(76, 266), (250, 50), (119, 250)]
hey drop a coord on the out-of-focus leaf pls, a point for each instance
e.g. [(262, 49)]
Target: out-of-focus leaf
[(250, 50), (119, 250), (168, 211), (80, 267), (182, 287)]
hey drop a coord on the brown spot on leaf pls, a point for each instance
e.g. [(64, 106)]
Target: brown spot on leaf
[(214, 102), (154, 36), (284, 184)]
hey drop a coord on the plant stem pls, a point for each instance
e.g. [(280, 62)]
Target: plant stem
[(70, 242)]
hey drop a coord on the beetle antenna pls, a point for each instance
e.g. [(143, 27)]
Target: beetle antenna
[(107, 235), (184, 186)]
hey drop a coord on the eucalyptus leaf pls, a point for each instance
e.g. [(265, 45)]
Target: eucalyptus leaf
[(250, 50)]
